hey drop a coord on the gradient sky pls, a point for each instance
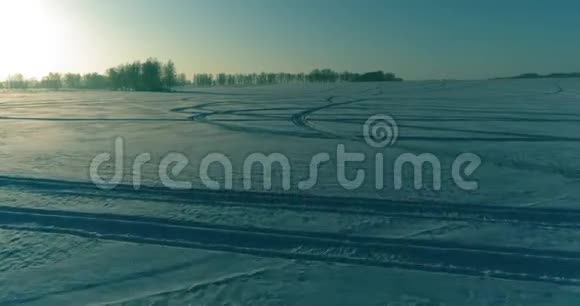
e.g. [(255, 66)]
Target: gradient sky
[(414, 39)]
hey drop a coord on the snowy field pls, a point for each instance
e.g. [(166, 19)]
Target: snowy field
[(514, 240)]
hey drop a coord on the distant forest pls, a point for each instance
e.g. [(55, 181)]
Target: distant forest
[(543, 76), (315, 76), (153, 75)]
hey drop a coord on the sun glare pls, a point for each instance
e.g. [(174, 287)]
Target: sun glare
[(31, 38)]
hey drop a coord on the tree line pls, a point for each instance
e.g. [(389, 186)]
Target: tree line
[(153, 75), (558, 75), (57, 81), (315, 76), (150, 75)]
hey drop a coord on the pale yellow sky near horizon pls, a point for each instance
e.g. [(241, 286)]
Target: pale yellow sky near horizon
[(43, 36), (33, 38)]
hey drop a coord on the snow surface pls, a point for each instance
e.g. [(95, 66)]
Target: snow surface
[(513, 241)]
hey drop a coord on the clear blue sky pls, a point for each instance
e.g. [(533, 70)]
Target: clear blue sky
[(415, 39)]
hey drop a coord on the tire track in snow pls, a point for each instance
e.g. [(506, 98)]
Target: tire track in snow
[(198, 286), (300, 119), (558, 267), (433, 210), (201, 114)]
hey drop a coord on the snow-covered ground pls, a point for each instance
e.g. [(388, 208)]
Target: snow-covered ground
[(515, 240)]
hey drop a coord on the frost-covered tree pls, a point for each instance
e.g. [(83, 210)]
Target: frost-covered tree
[(72, 80), (169, 75), (52, 81), (151, 75)]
